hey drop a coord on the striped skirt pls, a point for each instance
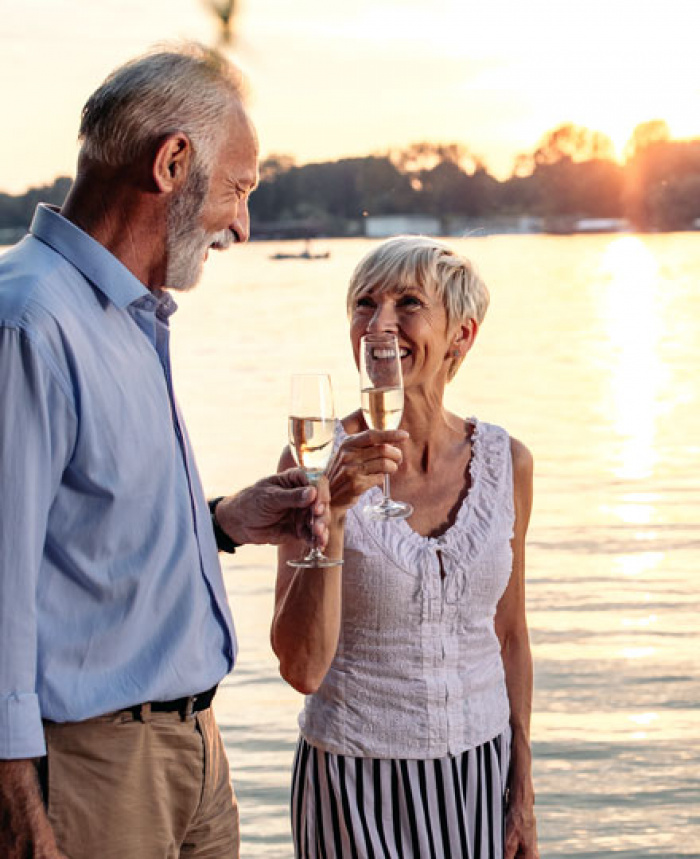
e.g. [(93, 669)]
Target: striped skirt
[(371, 808)]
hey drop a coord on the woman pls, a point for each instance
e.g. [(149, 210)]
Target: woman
[(414, 655)]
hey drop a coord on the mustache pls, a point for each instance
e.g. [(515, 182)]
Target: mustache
[(222, 240)]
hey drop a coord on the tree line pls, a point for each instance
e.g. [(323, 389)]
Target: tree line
[(571, 174)]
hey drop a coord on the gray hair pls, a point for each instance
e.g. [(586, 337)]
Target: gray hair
[(184, 89), (405, 261)]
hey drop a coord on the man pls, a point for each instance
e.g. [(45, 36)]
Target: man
[(114, 626)]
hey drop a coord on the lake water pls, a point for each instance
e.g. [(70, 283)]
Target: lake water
[(590, 354)]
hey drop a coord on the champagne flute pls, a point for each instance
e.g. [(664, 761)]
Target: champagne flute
[(381, 389), (311, 431)]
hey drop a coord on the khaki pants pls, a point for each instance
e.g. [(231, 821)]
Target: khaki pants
[(153, 788)]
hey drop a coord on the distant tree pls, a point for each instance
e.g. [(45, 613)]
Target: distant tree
[(567, 143), (656, 176), (344, 189), (272, 166), (447, 189), (646, 134), (420, 157), (674, 204), (520, 195), (17, 211), (569, 174), (573, 173)]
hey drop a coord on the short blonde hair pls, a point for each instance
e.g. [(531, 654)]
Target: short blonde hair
[(403, 262)]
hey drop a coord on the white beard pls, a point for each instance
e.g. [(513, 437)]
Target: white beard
[(186, 259), (187, 242)]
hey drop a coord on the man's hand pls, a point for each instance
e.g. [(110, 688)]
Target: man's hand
[(277, 509), (24, 827)]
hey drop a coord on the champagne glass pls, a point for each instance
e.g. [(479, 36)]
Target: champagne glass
[(311, 431), (381, 388)]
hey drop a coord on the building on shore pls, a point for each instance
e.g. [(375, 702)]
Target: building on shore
[(383, 226)]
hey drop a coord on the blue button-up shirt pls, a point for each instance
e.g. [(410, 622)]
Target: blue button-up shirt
[(111, 591)]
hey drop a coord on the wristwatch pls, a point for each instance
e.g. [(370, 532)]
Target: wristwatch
[(223, 542)]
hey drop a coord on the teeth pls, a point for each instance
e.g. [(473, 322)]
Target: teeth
[(404, 352), (383, 354)]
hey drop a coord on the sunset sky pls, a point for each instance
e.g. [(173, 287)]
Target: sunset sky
[(330, 79)]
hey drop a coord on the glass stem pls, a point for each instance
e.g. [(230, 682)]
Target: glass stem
[(314, 551), (386, 488), (313, 543)]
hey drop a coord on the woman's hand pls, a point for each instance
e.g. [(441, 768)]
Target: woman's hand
[(521, 827), (360, 463)]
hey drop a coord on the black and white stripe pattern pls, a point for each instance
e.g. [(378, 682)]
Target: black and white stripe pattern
[(370, 808)]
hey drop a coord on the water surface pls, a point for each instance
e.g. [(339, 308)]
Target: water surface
[(590, 355)]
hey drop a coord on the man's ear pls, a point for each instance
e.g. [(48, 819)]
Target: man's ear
[(171, 162)]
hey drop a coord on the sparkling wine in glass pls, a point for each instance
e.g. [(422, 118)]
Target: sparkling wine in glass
[(381, 391), (311, 431)]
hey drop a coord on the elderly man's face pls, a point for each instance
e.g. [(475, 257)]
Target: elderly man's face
[(212, 211)]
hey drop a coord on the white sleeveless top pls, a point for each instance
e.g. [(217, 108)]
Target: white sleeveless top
[(418, 670)]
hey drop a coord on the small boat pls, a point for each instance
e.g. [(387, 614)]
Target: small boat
[(305, 254)]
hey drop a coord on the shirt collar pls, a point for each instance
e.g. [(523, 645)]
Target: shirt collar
[(94, 261)]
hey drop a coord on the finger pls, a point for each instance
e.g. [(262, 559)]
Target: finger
[(291, 499), (289, 479), (370, 438), (511, 846), (378, 465), (320, 532), (362, 473), (359, 457), (323, 496)]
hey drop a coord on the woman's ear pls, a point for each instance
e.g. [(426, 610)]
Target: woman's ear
[(171, 162), (465, 337)]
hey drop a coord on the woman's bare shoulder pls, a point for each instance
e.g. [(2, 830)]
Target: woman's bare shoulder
[(522, 457)]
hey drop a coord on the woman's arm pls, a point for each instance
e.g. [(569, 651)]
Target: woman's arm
[(308, 602), (306, 620), (511, 627)]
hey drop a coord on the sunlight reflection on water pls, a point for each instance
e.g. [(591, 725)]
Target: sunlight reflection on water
[(632, 315), (590, 355)]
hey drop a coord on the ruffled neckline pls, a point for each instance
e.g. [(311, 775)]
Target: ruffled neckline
[(467, 536)]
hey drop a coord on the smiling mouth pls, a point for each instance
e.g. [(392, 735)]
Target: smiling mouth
[(381, 354), (216, 245)]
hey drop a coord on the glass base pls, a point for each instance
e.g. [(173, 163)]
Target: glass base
[(388, 509), (315, 558)]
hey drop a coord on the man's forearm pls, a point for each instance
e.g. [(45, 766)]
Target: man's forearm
[(25, 830)]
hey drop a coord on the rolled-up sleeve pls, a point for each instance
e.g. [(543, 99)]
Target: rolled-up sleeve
[(37, 427)]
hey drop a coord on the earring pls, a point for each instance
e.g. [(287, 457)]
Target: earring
[(455, 353)]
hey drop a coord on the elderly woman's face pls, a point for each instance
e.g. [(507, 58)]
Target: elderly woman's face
[(418, 318)]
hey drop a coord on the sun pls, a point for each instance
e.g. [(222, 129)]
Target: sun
[(615, 106)]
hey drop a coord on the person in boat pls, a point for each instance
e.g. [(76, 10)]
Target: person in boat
[(114, 624), (414, 656)]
